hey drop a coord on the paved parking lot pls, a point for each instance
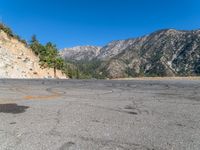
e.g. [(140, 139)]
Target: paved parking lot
[(99, 115)]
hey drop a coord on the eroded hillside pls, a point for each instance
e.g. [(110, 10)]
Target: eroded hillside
[(18, 61), (162, 53)]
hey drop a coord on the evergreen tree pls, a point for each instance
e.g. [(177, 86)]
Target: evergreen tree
[(48, 54), (35, 45)]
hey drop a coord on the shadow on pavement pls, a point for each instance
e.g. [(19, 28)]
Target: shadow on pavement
[(12, 108)]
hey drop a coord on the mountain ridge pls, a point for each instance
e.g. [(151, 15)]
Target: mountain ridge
[(124, 40), (166, 52), (80, 52)]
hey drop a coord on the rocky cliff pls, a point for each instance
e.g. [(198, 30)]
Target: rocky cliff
[(18, 61)]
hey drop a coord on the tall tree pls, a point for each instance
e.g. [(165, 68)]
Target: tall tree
[(52, 58), (48, 54), (35, 45)]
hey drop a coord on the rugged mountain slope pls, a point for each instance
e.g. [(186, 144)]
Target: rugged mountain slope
[(18, 61), (114, 48), (162, 53), (91, 52), (80, 52)]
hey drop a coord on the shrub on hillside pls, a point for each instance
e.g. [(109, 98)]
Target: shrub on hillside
[(10, 33)]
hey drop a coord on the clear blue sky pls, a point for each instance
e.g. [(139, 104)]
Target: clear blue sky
[(96, 22)]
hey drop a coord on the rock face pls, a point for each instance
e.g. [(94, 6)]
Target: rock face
[(80, 52), (162, 53), (18, 61), (114, 48)]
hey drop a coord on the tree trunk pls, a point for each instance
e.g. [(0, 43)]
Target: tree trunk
[(54, 72)]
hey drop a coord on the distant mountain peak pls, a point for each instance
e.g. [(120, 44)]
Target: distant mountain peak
[(80, 52)]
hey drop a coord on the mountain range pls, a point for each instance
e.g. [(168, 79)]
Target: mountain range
[(167, 52)]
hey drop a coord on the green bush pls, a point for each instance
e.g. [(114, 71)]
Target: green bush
[(6, 29), (10, 33)]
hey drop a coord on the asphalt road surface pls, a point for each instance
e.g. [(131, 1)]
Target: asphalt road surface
[(99, 115)]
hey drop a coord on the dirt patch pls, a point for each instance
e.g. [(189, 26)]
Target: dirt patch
[(53, 95), (12, 108)]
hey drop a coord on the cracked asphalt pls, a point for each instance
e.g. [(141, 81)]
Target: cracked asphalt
[(99, 115)]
